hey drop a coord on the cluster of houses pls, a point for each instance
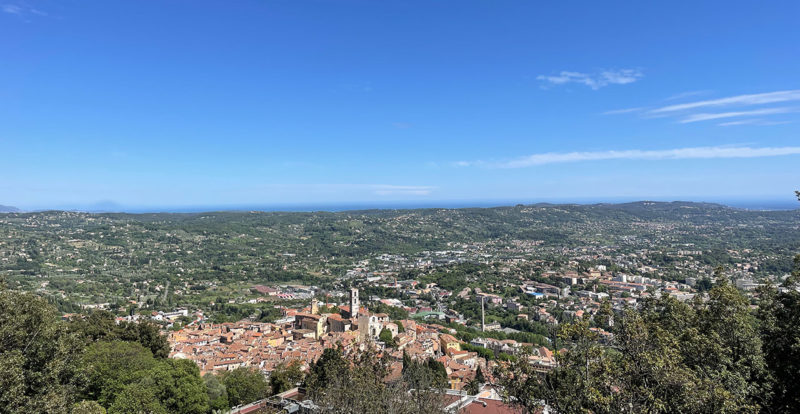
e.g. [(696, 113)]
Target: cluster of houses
[(303, 334)]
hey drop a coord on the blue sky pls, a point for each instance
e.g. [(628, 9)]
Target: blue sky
[(179, 103)]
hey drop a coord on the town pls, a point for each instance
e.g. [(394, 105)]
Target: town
[(271, 293)]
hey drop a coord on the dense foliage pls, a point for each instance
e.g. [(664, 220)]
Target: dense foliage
[(361, 384), (711, 356)]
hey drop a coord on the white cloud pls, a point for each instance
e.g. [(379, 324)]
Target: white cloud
[(11, 9), (755, 121), (752, 99), (738, 114), (594, 80), (622, 111), (668, 154), (21, 11)]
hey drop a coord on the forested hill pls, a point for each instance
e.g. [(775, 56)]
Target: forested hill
[(42, 241)]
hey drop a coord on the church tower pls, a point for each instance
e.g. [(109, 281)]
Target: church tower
[(354, 304), (314, 306)]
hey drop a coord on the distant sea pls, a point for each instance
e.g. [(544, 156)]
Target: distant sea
[(749, 204)]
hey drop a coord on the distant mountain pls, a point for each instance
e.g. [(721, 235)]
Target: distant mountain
[(8, 209)]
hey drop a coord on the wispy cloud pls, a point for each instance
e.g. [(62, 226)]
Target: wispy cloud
[(738, 114), (635, 154), (12, 9), (623, 111), (697, 111), (594, 80), (755, 121), (21, 10), (752, 99)]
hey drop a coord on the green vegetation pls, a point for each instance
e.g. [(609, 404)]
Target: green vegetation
[(357, 384), (672, 357), (50, 365), (244, 385), (161, 261), (285, 377), (717, 355)]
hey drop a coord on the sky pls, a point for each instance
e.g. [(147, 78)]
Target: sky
[(177, 104)]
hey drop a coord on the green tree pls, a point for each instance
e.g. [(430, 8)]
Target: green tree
[(779, 313), (88, 407), (244, 385), (438, 372), (109, 367), (479, 375), (361, 388), (386, 337), (667, 357), (217, 394), (38, 370), (137, 398), (179, 386), (102, 326), (329, 366), (605, 315), (472, 387), (285, 377), (733, 354)]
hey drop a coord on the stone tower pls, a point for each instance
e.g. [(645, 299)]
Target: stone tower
[(354, 304), (314, 306)]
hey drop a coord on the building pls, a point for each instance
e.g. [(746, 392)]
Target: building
[(370, 326), (354, 303), (449, 343)]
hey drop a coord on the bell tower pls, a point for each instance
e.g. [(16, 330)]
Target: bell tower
[(354, 303)]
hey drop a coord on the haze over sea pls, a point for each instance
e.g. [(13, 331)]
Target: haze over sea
[(788, 203)]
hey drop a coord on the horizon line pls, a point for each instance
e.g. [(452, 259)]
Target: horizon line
[(767, 203)]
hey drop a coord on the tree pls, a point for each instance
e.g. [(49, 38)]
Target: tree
[(386, 337), (244, 385), (666, 357), (37, 356), (285, 377), (179, 387), (605, 315), (137, 398), (472, 387), (479, 375), (733, 352), (330, 366), (438, 372), (88, 407), (361, 388), (779, 313), (217, 394), (101, 325), (113, 367), (109, 367)]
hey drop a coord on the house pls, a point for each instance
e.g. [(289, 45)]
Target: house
[(449, 343)]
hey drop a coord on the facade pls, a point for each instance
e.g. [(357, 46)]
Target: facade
[(354, 303), (370, 326)]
